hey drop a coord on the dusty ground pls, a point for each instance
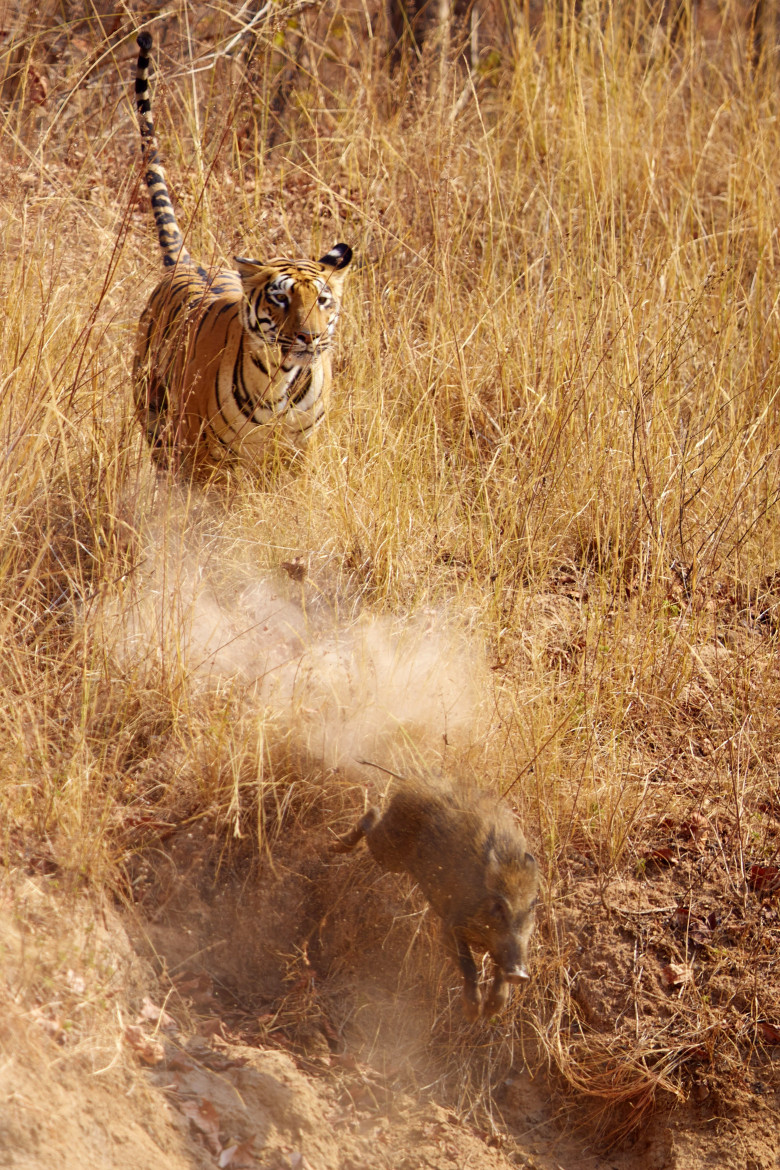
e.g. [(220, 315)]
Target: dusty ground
[(212, 1024), (194, 997)]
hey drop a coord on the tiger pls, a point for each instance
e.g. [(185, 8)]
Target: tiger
[(226, 360)]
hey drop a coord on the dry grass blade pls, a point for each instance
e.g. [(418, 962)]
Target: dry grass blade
[(538, 545)]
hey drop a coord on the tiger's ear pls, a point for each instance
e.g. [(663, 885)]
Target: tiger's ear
[(248, 268), (338, 258)]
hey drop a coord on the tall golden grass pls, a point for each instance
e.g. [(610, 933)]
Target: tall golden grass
[(553, 446)]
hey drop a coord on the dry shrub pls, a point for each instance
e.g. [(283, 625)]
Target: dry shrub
[(539, 535)]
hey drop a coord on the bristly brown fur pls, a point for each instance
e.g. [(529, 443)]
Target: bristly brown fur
[(469, 858)]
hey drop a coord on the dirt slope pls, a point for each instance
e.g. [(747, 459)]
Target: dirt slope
[(180, 1048)]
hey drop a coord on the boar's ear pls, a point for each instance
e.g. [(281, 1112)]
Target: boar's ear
[(530, 861), (492, 869)]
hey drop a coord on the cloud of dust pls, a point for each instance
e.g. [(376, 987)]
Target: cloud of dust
[(344, 690)]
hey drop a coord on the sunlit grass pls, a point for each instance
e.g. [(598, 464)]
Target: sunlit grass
[(555, 426)]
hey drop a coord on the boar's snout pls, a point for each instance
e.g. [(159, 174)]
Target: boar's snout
[(517, 973)]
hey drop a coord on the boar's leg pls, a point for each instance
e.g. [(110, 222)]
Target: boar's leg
[(498, 993), (364, 826), (460, 951)]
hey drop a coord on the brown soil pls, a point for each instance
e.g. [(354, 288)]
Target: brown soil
[(258, 1015), (282, 1007)]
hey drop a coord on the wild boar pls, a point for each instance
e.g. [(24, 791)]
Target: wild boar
[(467, 854)]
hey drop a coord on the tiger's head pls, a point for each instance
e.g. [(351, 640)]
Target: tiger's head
[(293, 305)]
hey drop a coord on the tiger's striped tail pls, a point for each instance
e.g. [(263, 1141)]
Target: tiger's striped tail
[(168, 233)]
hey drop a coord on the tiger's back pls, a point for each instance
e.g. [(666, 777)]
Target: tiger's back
[(227, 360)]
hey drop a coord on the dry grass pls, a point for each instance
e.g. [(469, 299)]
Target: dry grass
[(552, 456)]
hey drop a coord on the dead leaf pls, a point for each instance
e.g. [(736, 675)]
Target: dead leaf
[(700, 937), (51, 1025), (76, 983), (211, 1027), (150, 1013), (295, 570), (148, 1050), (197, 987), (677, 974), (698, 1053), (238, 1156), (344, 1060), (663, 856), (770, 1032), (205, 1118), (38, 87), (697, 828), (764, 878)]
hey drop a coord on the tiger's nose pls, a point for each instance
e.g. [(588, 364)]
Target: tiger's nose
[(307, 338)]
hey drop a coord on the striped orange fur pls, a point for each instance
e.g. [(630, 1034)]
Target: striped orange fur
[(229, 359)]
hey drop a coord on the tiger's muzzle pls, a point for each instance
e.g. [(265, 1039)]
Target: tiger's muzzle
[(304, 345)]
